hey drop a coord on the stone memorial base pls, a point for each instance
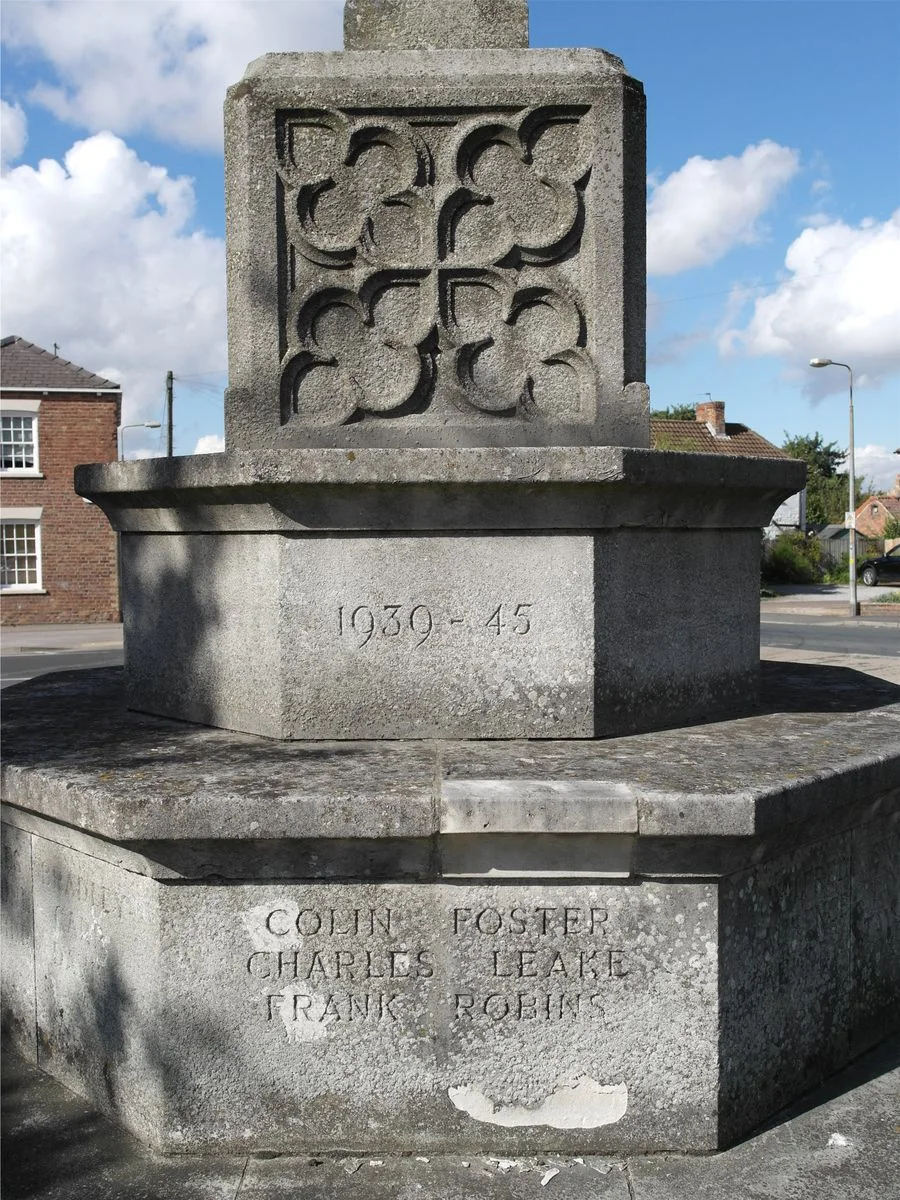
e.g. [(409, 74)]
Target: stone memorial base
[(648, 943), (477, 592)]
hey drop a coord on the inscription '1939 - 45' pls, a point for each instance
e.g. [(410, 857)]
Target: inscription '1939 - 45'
[(415, 623)]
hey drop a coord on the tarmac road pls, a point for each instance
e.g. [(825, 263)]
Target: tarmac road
[(15, 668), (829, 635)]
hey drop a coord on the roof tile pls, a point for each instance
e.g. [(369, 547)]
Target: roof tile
[(694, 437), (24, 365)]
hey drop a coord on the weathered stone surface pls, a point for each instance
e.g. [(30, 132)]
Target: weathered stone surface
[(142, 780), (451, 249), (249, 1016), (195, 648), (53, 1140), (226, 962), (537, 806), (435, 25), (874, 855), (475, 488), (17, 942), (440, 636), (486, 1010), (446, 633), (100, 1005), (418, 637)]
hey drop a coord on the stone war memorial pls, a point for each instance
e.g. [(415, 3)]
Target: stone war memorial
[(438, 809)]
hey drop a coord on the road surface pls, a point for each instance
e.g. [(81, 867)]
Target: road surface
[(831, 635)]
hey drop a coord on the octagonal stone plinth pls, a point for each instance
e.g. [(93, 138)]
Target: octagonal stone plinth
[(649, 943), (490, 593)]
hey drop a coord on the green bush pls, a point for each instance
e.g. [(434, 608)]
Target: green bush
[(837, 572), (792, 558)]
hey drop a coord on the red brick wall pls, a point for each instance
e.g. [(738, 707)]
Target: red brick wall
[(78, 548), (874, 514)]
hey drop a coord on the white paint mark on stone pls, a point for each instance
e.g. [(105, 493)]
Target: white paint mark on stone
[(838, 1139), (582, 1105), (306, 1022), (265, 924)]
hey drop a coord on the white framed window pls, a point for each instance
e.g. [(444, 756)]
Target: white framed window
[(20, 550), (19, 439)]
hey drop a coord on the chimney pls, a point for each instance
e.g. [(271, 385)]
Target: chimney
[(712, 414)]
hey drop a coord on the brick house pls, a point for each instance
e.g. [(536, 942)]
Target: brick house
[(873, 514), (58, 551)]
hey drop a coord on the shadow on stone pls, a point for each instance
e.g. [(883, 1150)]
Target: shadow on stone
[(810, 687), (49, 1135), (871, 1065)]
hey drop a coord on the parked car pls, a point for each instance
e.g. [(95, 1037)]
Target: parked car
[(881, 570)]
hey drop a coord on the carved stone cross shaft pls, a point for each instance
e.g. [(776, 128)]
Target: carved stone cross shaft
[(436, 237), (435, 24)]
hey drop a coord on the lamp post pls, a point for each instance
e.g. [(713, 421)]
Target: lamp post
[(851, 459), (139, 425)]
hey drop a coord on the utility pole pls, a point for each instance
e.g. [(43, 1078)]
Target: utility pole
[(170, 379)]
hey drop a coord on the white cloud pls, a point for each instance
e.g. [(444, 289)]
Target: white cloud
[(840, 300), (708, 206), (13, 133), (210, 443), (815, 220), (159, 67), (878, 466), (97, 257)]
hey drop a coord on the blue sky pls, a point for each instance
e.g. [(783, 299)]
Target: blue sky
[(773, 192)]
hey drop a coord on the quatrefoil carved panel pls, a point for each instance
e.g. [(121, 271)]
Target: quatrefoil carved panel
[(421, 264), (363, 352), (359, 189), (519, 346)]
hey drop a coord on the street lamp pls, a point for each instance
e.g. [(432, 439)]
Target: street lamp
[(139, 425), (851, 515)]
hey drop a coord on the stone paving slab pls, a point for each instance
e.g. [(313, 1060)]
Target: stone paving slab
[(841, 1142)]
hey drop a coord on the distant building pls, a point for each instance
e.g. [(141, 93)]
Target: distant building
[(710, 433), (58, 552), (873, 514)]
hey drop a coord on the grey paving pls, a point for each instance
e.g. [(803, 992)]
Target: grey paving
[(842, 1142)]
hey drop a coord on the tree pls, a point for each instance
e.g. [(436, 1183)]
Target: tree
[(675, 412), (819, 457), (827, 487)]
